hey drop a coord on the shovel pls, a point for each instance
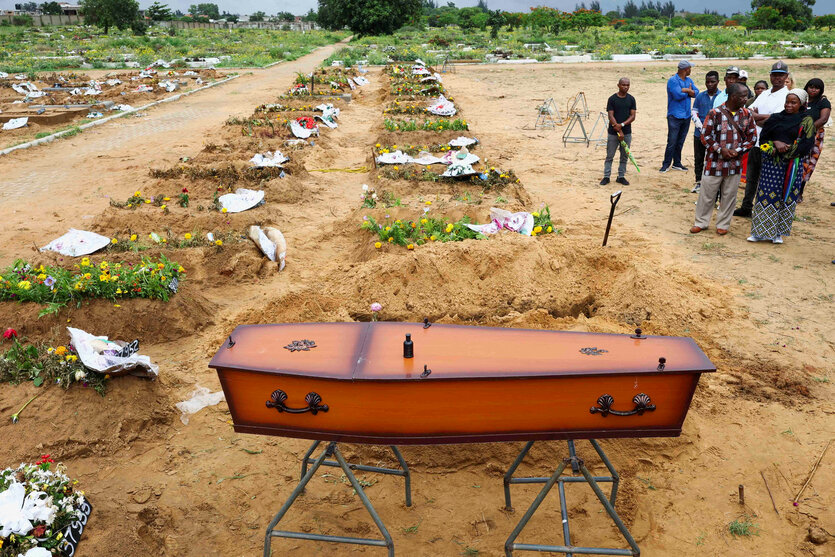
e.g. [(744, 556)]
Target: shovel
[(615, 197)]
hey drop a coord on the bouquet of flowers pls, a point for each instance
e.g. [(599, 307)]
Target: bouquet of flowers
[(38, 507), (306, 122)]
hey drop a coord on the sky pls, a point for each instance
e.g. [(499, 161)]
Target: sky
[(300, 7)]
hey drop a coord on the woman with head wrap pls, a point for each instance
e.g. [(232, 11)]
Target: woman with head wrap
[(786, 137), (819, 110)]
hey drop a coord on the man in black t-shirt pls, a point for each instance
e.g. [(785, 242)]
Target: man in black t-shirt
[(621, 108)]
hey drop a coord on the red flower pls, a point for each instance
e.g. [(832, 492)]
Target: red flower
[(185, 190), (9, 334), (39, 531)]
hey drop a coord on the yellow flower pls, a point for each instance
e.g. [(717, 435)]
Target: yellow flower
[(164, 207), (119, 291), (423, 221), (218, 242), (410, 246), (550, 229), (114, 241), (187, 236), (85, 262), (147, 201), (133, 237), (536, 214), (428, 202), (41, 276), (378, 145), (104, 265), (103, 278), (391, 240), (88, 276), (181, 269), (137, 194), (78, 286), (71, 358), (533, 234), (449, 228), (378, 245), (61, 350), (223, 210), (396, 168), (24, 284), (432, 237), (166, 199), (394, 146), (537, 229)]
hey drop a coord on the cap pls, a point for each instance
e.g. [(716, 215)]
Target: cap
[(732, 70), (684, 64), (779, 67), (743, 74)]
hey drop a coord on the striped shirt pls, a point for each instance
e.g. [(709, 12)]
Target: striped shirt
[(719, 132)]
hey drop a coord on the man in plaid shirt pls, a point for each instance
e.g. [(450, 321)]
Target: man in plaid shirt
[(729, 131)]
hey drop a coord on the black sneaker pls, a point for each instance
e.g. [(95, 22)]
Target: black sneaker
[(679, 167), (745, 213), (622, 181), (604, 181), (664, 169), (696, 188)]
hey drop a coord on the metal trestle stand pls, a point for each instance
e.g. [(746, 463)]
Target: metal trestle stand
[(307, 474), (557, 477)]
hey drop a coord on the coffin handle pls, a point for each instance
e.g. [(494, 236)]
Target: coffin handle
[(641, 401), (278, 399)]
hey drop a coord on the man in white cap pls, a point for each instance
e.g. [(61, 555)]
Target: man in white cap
[(680, 89), (770, 101), (731, 76), (743, 78)]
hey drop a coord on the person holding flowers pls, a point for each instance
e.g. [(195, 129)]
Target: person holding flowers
[(786, 138)]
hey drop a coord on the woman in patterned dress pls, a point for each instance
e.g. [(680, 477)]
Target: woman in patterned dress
[(786, 137), (819, 109)]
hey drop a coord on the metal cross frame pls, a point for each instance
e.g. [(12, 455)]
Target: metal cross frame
[(448, 66), (577, 464), (307, 474)]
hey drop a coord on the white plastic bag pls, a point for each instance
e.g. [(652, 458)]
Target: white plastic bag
[(269, 159), (201, 397), (77, 242), (97, 353), (241, 200), (16, 123)]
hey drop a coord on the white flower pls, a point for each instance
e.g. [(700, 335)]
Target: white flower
[(79, 375), (12, 518), (365, 187), (374, 196)]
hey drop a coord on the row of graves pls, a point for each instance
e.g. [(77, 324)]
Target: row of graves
[(33, 105), (432, 180), (139, 270)]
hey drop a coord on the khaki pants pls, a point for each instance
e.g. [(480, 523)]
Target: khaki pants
[(728, 186)]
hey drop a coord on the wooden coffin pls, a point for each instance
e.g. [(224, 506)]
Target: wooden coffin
[(464, 384)]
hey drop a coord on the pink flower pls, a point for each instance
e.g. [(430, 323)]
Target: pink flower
[(11, 333), (375, 307)]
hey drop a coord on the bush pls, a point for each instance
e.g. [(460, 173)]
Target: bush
[(23, 20)]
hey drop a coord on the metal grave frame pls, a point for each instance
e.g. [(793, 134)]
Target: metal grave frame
[(448, 67), (598, 135), (577, 465), (548, 115), (579, 105), (575, 119), (332, 450)]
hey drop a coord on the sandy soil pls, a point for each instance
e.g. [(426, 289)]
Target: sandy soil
[(761, 312)]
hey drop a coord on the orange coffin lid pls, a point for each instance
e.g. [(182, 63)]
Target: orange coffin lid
[(374, 351)]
